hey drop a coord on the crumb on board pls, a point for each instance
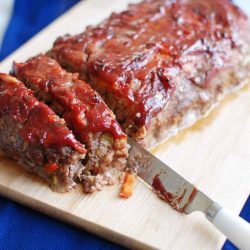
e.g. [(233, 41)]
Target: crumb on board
[(128, 185)]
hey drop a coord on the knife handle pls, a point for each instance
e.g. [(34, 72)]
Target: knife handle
[(233, 227)]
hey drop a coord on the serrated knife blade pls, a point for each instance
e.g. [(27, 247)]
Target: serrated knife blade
[(184, 196)]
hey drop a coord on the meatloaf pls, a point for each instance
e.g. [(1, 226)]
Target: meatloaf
[(84, 111), (33, 135), (162, 64)]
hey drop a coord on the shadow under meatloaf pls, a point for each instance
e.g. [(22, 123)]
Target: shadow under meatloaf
[(92, 122), (33, 135), (162, 64)]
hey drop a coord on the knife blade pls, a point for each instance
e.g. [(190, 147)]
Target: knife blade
[(183, 196)]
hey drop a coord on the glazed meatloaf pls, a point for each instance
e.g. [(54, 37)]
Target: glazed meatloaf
[(84, 111), (161, 64), (33, 135)]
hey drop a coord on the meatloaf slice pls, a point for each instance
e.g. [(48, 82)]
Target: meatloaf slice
[(32, 134), (84, 111), (161, 64)]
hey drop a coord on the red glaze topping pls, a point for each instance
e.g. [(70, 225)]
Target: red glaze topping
[(82, 108), (15, 99), (190, 199), (164, 194), (38, 123), (171, 199), (139, 52)]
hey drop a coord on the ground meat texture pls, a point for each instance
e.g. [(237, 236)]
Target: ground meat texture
[(84, 111), (161, 64), (33, 135)]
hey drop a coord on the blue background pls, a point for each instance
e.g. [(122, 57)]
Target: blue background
[(20, 227)]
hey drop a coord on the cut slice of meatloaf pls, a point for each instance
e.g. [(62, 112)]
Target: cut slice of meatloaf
[(84, 111), (161, 64), (33, 135)]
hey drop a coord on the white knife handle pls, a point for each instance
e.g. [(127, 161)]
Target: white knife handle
[(233, 227)]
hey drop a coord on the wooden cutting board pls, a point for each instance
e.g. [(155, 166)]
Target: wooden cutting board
[(214, 155)]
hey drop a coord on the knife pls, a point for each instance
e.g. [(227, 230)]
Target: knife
[(185, 197)]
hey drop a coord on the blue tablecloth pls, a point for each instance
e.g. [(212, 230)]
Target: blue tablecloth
[(20, 227)]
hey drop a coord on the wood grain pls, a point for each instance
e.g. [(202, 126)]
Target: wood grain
[(213, 154)]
